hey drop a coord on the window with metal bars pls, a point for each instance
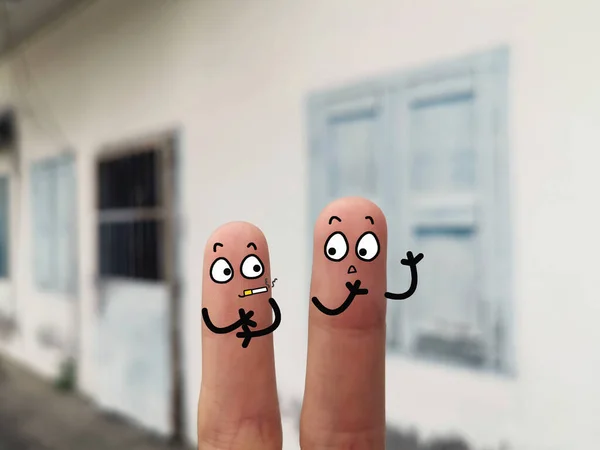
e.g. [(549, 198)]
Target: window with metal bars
[(130, 211)]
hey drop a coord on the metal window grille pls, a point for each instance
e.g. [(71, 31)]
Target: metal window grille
[(131, 216)]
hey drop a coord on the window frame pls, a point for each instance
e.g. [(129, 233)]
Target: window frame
[(489, 70), (164, 144), (56, 163)]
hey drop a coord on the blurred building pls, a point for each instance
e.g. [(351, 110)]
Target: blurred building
[(131, 130)]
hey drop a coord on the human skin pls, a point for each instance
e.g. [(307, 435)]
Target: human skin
[(344, 397), (238, 407), (344, 401)]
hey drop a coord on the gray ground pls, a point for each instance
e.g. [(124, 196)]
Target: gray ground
[(33, 415)]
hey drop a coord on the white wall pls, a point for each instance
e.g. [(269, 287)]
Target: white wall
[(235, 78), (34, 312)]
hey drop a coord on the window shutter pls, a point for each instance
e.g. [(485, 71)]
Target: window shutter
[(348, 143), (54, 223), (444, 216), (65, 219), (41, 203)]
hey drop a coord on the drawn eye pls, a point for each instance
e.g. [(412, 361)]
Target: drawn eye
[(336, 246), (221, 271), (367, 247), (252, 267)]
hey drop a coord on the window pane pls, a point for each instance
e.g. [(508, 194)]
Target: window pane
[(65, 219), (352, 140), (44, 225), (441, 141), (129, 181), (130, 249), (54, 223), (446, 307)]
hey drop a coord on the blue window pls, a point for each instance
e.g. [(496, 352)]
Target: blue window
[(428, 147), (54, 224), (4, 226)]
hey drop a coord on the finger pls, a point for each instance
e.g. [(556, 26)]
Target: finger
[(238, 406), (344, 399)]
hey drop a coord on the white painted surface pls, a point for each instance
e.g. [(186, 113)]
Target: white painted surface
[(132, 352), (235, 80)]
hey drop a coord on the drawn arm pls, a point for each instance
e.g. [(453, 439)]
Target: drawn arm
[(354, 291), (270, 328), (228, 329), (412, 262)]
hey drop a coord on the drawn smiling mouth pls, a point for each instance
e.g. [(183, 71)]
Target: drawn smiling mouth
[(249, 292), (354, 289)]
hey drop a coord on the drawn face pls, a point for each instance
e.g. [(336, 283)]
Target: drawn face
[(236, 275), (250, 267), (337, 246), (350, 252), (235, 286)]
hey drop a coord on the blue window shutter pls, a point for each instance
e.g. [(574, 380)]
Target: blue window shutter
[(445, 146), (51, 211), (4, 225), (65, 220), (41, 236), (350, 142), (46, 253), (347, 148)]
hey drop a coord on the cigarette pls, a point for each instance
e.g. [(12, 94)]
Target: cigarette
[(259, 290)]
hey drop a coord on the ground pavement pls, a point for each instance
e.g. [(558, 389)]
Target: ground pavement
[(35, 416)]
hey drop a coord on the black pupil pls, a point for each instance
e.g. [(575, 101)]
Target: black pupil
[(331, 251), (362, 252), (256, 268), (227, 271)]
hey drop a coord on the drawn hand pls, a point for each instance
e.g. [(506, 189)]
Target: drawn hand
[(245, 318), (411, 260), (247, 333), (354, 288)]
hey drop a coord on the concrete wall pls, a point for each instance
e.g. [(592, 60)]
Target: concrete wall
[(234, 79)]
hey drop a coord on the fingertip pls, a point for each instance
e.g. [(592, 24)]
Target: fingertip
[(353, 206), (229, 229)]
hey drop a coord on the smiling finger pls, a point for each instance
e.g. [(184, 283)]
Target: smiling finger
[(238, 406), (344, 400)]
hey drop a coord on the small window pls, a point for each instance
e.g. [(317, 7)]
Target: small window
[(54, 224), (4, 226), (130, 216)]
